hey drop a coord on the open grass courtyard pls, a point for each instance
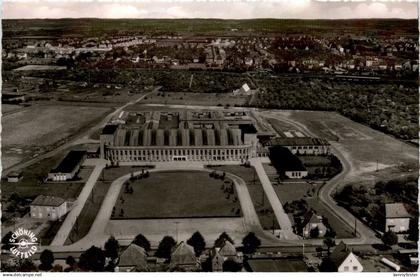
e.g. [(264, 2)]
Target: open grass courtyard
[(180, 194)]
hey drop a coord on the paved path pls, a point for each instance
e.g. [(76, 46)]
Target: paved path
[(71, 218), (282, 218)]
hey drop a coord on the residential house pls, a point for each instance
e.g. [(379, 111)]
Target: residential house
[(183, 257), (313, 221), (397, 218), (48, 207), (134, 258), (345, 260)]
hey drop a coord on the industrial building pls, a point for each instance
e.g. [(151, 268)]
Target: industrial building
[(303, 145), (154, 136), (68, 167)]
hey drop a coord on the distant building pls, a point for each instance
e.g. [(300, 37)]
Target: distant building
[(183, 257), (303, 145), (344, 260), (287, 164), (14, 176), (48, 207), (68, 167), (312, 221), (134, 258), (244, 90), (397, 218)]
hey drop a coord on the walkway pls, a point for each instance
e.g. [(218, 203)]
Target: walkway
[(71, 218), (282, 218)]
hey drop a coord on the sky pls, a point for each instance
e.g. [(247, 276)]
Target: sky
[(226, 9)]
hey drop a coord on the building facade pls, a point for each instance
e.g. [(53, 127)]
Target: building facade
[(48, 207), (164, 137), (397, 218)]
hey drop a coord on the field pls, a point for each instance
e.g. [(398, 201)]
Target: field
[(259, 200), (366, 149), (277, 265), (34, 130), (181, 194)]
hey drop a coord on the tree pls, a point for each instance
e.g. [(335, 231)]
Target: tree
[(197, 241), (221, 240), (111, 248), (47, 260), (26, 265), (92, 259), (390, 238), (250, 243), (327, 265), (165, 247), (71, 262), (413, 231), (314, 233), (329, 242), (231, 266), (142, 241)]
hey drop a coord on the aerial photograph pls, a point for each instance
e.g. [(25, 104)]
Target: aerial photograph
[(210, 136)]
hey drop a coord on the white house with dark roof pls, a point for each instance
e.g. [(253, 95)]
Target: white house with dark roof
[(48, 207), (397, 218), (345, 260), (312, 221)]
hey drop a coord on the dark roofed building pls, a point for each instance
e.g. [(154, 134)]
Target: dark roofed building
[(310, 222), (302, 145), (287, 164), (68, 167), (397, 217), (183, 256), (109, 129)]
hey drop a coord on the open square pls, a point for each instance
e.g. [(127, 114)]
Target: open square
[(181, 194)]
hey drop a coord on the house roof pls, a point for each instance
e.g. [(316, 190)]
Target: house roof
[(109, 129), (311, 217), (73, 158), (227, 249), (134, 256), (52, 201), (283, 160), (396, 210), (183, 254), (299, 141), (340, 253)]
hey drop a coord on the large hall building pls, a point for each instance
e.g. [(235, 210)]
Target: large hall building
[(157, 136)]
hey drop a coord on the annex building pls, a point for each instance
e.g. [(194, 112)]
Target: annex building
[(158, 136)]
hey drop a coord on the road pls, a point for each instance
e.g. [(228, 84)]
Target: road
[(282, 218), (67, 226), (81, 138), (365, 234)]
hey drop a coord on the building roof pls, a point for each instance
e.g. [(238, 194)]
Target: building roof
[(52, 201), (227, 249), (311, 218), (73, 159), (183, 254), (340, 253), (109, 129), (283, 160), (299, 141), (134, 256), (396, 210)]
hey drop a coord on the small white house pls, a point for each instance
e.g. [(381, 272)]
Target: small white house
[(48, 207), (14, 177), (345, 260), (397, 218)]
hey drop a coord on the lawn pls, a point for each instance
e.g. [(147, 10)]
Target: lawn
[(190, 98), (179, 194), (261, 204), (42, 126)]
